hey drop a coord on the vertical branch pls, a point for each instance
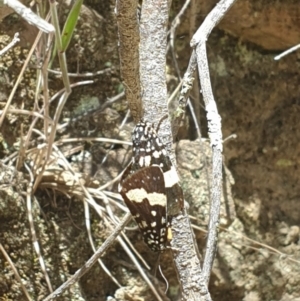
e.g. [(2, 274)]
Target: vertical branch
[(153, 34), (187, 262), (153, 61), (126, 11), (214, 128)]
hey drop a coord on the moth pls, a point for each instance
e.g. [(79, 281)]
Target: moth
[(150, 187)]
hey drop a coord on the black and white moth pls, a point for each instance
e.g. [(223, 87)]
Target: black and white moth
[(150, 187)]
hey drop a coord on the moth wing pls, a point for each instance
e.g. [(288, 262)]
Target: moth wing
[(145, 196)]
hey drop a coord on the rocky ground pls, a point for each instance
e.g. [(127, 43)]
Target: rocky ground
[(258, 99)]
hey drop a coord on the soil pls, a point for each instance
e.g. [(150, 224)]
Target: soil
[(258, 249)]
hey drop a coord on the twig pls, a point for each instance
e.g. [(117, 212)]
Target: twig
[(87, 74), (23, 112), (214, 128), (104, 140), (27, 14), (292, 49), (14, 41)]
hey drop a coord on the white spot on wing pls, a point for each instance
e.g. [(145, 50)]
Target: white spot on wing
[(154, 198), (156, 154), (171, 177), (147, 160), (158, 142)]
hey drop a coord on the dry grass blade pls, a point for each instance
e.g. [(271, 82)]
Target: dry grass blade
[(33, 232)]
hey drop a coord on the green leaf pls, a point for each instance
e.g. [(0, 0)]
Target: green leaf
[(70, 25)]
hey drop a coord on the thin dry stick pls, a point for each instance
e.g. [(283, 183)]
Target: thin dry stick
[(15, 272), (87, 74), (104, 140), (29, 15), (214, 128), (24, 112), (88, 265), (14, 41), (44, 77), (33, 232), (290, 50)]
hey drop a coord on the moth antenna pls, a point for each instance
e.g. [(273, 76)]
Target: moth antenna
[(157, 264), (163, 276), (160, 122)]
